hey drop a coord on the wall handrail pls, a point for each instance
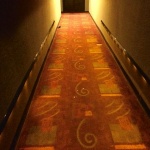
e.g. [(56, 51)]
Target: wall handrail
[(126, 53), (20, 88)]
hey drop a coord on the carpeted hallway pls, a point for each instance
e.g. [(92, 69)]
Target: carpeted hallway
[(82, 100)]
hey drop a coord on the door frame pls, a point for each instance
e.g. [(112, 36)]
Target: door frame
[(86, 5)]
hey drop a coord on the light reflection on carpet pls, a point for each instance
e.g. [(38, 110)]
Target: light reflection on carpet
[(56, 66), (59, 51), (96, 50), (36, 137), (47, 90), (125, 136), (109, 89), (37, 148), (92, 40), (60, 40), (99, 65), (131, 147)]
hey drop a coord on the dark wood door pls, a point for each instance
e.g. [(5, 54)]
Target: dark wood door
[(73, 5)]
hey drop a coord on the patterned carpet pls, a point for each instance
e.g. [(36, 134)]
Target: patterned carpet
[(82, 100)]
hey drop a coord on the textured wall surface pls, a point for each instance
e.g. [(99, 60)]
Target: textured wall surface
[(129, 22), (23, 27)]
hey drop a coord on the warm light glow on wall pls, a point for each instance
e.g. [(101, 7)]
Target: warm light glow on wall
[(124, 52), (134, 67), (143, 78), (129, 60)]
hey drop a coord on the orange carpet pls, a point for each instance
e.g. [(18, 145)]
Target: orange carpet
[(82, 100)]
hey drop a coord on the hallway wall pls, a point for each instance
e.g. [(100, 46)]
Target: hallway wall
[(126, 26), (129, 22), (23, 28)]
